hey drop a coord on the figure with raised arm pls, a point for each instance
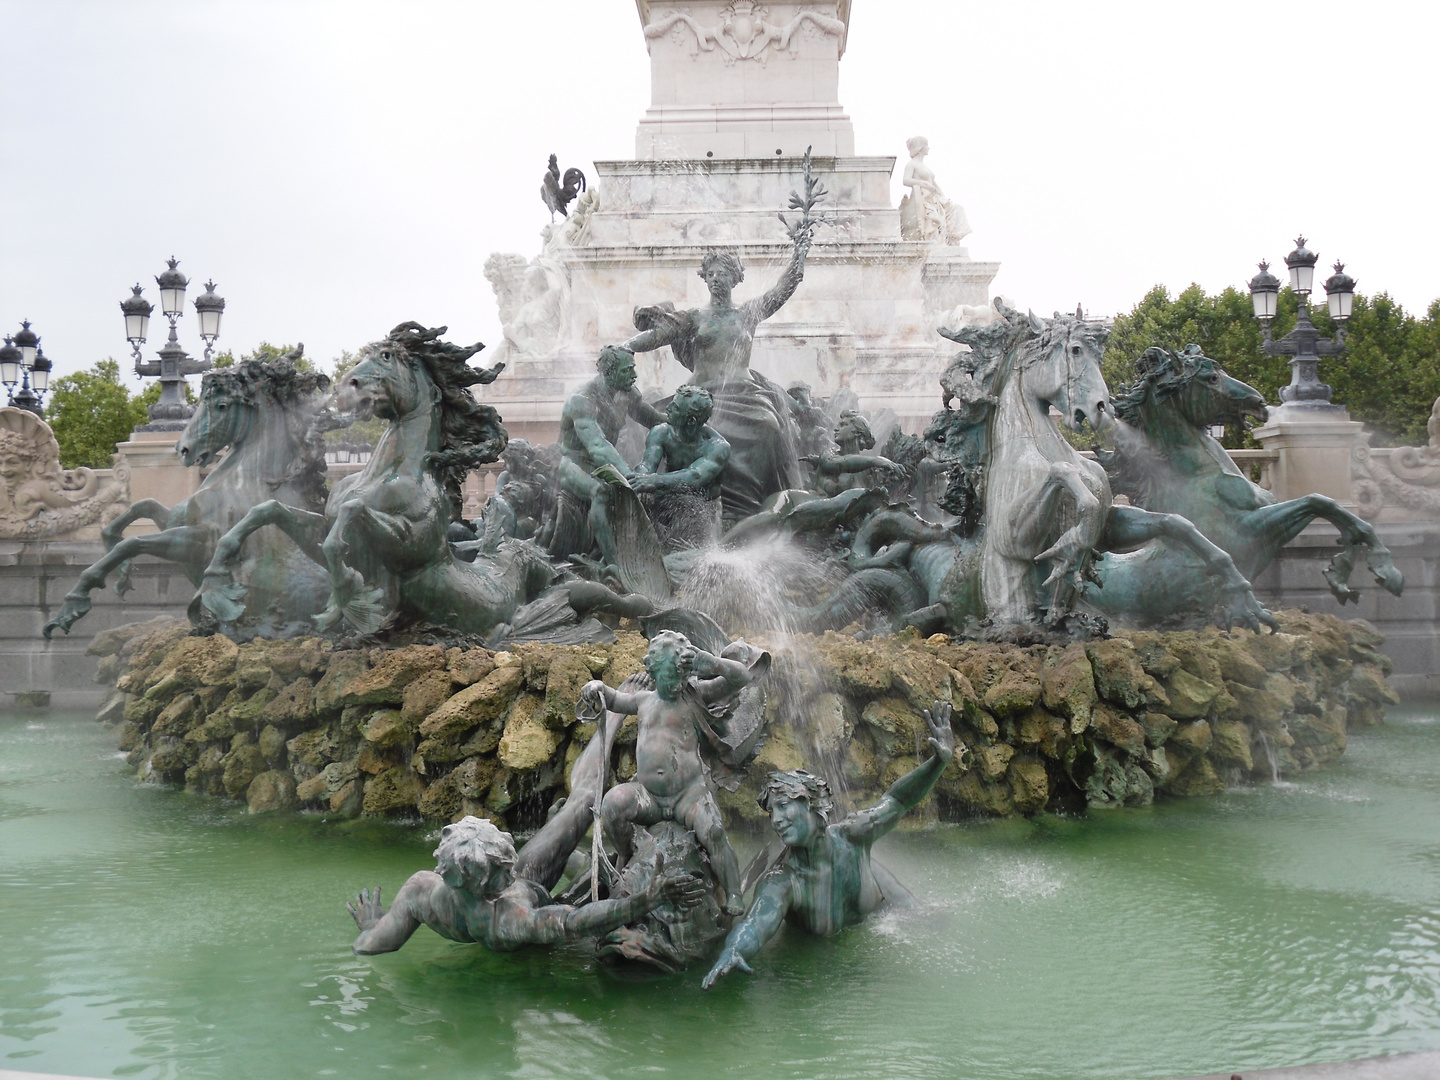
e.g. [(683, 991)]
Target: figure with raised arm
[(684, 500), (825, 880), (474, 894), (751, 412), (592, 420), (671, 779)]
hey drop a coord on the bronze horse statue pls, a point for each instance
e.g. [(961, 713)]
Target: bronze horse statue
[(1166, 460), (1049, 541), (262, 412), (382, 536)]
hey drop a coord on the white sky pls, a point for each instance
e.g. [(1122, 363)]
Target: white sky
[(338, 166)]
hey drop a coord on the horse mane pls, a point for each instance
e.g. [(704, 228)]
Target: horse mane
[(279, 384), (471, 433), (1161, 374)]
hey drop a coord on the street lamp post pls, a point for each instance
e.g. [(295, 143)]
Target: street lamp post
[(22, 361), (1304, 345), (173, 363)]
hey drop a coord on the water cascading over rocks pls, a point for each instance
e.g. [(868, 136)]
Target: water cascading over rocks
[(440, 733)]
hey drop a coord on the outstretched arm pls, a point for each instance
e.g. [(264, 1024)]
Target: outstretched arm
[(664, 332), (643, 413), (596, 693), (382, 931), (853, 463), (761, 923), (718, 676), (553, 923), (909, 791)]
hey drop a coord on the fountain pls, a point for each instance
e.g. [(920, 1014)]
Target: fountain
[(458, 670)]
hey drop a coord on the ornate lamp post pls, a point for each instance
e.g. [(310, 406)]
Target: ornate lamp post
[(173, 363), (23, 362), (1304, 345)]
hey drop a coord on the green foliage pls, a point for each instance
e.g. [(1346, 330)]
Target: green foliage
[(1388, 378), (91, 411), (264, 351)]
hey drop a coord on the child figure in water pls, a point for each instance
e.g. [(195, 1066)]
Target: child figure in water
[(671, 781)]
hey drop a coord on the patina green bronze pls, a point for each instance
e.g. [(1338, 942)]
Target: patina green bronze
[(1167, 461), (264, 413), (1050, 542), (825, 880), (383, 535), (481, 892)]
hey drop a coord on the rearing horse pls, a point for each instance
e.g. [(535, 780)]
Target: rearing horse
[(1050, 531), (1166, 460), (262, 412), (382, 535)]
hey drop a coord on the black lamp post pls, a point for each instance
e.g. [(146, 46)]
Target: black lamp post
[(22, 362), (1304, 345), (173, 363)]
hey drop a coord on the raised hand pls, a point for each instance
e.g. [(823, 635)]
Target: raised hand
[(729, 961), (942, 736), (366, 909)]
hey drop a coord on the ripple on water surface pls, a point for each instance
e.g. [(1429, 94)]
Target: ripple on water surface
[(150, 933)]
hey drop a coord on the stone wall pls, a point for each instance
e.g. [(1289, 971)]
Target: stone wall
[(34, 578), (1410, 622), (422, 729)]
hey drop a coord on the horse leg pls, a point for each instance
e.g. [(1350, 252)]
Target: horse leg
[(1282, 522), (189, 545), (219, 591), (1130, 526), (1073, 549), (363, 608), (114, 532)]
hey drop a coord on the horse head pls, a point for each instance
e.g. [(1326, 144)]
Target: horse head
[(388, 382), (1060, 368), (225, 416), (1187, 385), (413, 369)]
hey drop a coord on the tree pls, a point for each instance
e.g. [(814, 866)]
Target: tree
[(1388, 378), (264, 351), (91, 411)]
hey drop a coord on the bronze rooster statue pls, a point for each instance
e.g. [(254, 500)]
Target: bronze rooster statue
[(558, 194)]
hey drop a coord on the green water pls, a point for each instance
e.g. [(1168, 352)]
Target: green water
[(144, 932)]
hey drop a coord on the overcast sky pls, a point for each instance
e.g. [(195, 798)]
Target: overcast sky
[(340, 166)]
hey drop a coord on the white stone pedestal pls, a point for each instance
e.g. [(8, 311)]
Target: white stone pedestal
[(739, 91), (1315, 444), (156, 472)]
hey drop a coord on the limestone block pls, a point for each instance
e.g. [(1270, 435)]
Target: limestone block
[(1029, 784), (1120, 678), (270, 791), (1118, 729), (527, 742), (1230, 744), (477, 704), (393, 670), (1189, 697), (397, 788)]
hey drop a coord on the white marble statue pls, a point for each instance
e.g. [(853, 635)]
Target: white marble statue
[(925, 213)]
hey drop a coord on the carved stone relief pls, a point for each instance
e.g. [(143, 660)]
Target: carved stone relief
[(38, 499), (744, 31), (1407, 477)]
